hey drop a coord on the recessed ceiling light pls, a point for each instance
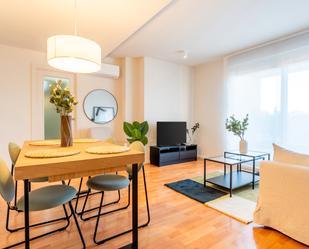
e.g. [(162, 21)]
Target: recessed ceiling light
[(182, 53)]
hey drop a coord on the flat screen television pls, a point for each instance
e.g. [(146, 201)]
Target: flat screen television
[(171, 133)]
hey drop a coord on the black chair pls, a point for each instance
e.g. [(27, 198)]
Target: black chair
[(112, 182), (14, 151), (39, 199), (81, 194)]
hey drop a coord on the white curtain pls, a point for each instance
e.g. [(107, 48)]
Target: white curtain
[(271, 84)]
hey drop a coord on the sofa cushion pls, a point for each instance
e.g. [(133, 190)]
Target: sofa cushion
[(286, 156)]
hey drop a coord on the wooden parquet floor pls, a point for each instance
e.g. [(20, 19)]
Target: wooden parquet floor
[(176, 221)]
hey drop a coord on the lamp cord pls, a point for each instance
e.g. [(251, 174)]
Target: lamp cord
[(75, 17)]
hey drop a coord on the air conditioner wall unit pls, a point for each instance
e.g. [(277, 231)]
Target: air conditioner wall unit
[(109, 71)]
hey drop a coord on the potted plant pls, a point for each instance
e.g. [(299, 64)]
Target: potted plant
[(238, 128), (193, 129), (64, 101), (136, 131)]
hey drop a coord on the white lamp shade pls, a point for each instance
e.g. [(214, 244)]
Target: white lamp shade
[(73, 54)]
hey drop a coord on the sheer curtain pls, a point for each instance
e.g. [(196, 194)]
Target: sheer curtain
[(271, 84)]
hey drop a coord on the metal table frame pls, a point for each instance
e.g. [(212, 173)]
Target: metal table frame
[(238, 159)]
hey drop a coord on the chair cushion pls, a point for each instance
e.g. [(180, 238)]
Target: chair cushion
[(108, 182), (40, 179), (48, 197)]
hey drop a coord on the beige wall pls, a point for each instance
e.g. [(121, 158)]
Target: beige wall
[(208, 92), (133, 77)]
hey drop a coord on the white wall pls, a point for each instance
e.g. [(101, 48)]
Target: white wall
[(17, 71), (85, 84), (209, 107), (15, 95), (148, 89), (167, 93)]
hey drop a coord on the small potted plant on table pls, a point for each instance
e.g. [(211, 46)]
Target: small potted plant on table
[(64, 101), (238, 128)]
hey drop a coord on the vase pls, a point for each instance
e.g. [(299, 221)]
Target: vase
[(243, 146), (66, 131)]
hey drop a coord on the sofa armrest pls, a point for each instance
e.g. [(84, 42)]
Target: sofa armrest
[(284, 177), (283, 201)]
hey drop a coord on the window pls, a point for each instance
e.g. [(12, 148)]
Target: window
[(277, 100)]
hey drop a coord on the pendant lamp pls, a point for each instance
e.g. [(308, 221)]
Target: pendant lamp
[(73, 53)]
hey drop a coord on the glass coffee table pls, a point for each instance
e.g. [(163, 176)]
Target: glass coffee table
[(239, 178)]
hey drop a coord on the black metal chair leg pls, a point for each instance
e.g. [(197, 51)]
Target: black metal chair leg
[(83, 209), (146, 195), (107, 204), (112, 211), (77, 225), (98, 219), (45, 234), (15, 197), (16, 184), (78, 194), (127, 231), (12, 230)]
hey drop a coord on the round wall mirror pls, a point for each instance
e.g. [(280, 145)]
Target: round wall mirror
[(100, 106)]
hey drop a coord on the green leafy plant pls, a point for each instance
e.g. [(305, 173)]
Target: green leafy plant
[(136, 131), (237, 127), (62, 98)]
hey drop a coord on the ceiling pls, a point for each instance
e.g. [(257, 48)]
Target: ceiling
[(158, 28), (210, 28), (28, 23)]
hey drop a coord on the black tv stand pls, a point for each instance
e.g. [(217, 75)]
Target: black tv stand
[(165, 155)]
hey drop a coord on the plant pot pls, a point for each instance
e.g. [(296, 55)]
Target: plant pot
[(66, 131), (243, 146)]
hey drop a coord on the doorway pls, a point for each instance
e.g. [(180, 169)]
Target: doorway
[(51, 117), (45, 119)]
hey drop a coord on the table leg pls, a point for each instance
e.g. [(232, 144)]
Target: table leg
[(231, 179), (135, 206), (253, 175), (204, 173), (26, 213), (134, 244)]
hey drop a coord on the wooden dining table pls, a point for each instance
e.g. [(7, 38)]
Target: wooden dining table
[(77, 166)]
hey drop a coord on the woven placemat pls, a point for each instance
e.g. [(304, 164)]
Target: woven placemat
[(51, 153), (107, 149), (45, 142)]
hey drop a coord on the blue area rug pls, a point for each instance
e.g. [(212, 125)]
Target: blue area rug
[(195, 190)]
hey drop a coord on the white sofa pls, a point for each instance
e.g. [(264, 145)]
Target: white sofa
[(283, 202)]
